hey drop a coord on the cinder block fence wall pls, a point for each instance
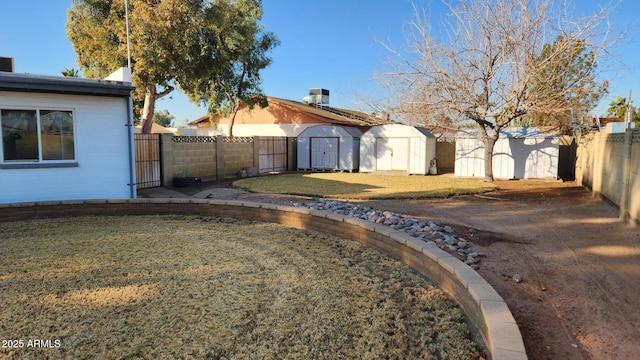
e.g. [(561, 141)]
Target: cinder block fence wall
[(209, 158), (214, 158), (609, 165)]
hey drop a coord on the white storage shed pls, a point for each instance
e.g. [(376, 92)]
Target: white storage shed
[(329, 147), (519, 153), (397, 148)]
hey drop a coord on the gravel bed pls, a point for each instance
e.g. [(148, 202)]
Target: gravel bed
[(428, 231)]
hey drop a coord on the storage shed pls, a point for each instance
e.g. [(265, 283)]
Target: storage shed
[(329, 147), (397, 148), (519, 153)]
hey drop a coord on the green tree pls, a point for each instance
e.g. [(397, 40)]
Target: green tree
[(618, 107), (491, 63), (172, 42), (565, 83), (163, 118), (236, 81), (70, 72)]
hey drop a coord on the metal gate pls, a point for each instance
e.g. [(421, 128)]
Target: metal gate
[(273, 154), (147, 149)]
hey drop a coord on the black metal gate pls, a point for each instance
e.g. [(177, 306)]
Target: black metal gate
[(148, 160), (273, 154)]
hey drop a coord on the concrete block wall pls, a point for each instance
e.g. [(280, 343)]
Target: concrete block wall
[(489, 314), (209, 158), (614, 166), (237, 153), (608, 164), (197, 158), (634, 178)]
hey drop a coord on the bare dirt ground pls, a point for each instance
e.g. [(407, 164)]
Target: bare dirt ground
[(580, 265)]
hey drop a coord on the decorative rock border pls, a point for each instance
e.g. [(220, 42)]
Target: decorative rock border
[(485, 308)]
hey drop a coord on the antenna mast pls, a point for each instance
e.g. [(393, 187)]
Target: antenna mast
[(126, 17)]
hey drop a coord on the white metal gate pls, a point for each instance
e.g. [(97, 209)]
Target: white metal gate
[(324, 153)]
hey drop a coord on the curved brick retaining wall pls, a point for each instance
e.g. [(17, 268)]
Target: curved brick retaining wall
[(482, 304)]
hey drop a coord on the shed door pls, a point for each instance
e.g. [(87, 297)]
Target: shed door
[(392, 154), (324, 153)]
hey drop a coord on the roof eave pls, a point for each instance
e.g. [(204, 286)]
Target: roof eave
[(61, 85)]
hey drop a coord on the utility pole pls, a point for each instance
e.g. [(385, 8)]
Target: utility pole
[(126, 17), (627, 114)]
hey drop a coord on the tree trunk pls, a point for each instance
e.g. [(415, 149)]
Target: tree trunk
[(489, 144), (233, 118), (150, 98), (148, 109)]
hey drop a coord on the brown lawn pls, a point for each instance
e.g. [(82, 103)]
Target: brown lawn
[(193, 287)]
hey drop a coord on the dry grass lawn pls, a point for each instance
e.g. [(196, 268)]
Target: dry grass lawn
[(364, 186), (195, 287)]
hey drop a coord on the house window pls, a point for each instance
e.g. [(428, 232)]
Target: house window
[(42, 136)]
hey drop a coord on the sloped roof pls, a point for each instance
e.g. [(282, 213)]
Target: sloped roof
[(516, 132), (159, 129), (397, 130), (202, 119), (333, 115), (330, 130), (325, 113), (155, 129), (63, 85)]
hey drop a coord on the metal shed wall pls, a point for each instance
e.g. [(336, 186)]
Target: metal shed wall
[(383, 140), (348, 141), (519, 153)]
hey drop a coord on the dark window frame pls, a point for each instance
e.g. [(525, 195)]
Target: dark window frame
[(44, 154)]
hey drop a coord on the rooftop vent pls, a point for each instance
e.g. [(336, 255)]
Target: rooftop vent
[(6, 64), (317, 97)]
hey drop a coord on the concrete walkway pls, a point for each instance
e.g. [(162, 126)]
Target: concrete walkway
[(166, 193)]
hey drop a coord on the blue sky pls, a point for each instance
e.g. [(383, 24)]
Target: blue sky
[(330, 44)]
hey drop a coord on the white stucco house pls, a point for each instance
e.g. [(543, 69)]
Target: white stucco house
[(66, 138)]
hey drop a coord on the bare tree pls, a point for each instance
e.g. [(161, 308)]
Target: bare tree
[(492, 63)]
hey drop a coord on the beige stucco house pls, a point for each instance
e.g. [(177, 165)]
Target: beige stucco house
[(284, 117)]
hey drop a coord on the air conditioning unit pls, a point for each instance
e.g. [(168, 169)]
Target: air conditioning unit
[(6, 64), (317, 97)]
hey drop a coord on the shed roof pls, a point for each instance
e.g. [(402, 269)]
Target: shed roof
[(398, 130), (330, 129), (516, 132), (63, 85)]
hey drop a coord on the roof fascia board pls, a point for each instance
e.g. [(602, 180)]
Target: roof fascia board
[(62, 85)]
